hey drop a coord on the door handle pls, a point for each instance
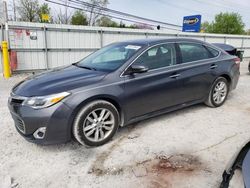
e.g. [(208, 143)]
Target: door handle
[(213, 66), (175, 76)]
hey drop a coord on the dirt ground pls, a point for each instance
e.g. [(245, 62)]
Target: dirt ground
[(186, 148)]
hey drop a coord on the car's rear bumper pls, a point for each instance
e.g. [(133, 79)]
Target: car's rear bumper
[(235, 81), (54, 119), (234, 78)]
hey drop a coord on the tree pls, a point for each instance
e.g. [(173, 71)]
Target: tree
[(79, 18), (28, 10), (248, 32), (44, 9), (105, 21), (207, 27), (64, 16), (225, 23), (142, 26), (96, 10)]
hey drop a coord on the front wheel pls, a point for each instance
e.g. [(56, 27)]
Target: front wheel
[(96, 123), (218, 93)]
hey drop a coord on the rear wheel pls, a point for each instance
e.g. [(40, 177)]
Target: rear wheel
[(218, 93), (96, 123), (249, 66)]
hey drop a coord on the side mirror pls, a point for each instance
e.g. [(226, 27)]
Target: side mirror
[(137, 69)]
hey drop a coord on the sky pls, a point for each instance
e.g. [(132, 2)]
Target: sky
[(173, 11)]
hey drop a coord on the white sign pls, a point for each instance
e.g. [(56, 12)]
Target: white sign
[(133, 47), (33, 35)]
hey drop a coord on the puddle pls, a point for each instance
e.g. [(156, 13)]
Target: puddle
[(166, 171), (155, 172), (182, 163)]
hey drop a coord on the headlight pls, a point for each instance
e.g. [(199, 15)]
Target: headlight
[(45, 101)]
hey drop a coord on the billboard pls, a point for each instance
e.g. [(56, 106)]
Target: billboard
[(191, 23)]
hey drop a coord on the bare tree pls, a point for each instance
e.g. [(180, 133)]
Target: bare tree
[(95, 12), (64, 15), (28, 10)]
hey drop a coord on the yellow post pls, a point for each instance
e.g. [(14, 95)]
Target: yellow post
[(6, 65)]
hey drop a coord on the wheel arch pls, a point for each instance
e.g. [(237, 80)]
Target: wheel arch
[(228, 78), (107, 98)]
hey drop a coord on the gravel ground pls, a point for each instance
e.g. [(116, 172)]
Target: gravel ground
[(186, 148)]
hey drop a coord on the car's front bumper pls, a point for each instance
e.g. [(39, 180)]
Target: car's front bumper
[(55, 119)]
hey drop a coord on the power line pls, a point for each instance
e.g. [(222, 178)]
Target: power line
[(121, 13), (105, 14)]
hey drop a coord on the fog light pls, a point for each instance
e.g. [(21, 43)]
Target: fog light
[(40, 133)]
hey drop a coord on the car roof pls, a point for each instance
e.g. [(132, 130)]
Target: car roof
[(154, 41)]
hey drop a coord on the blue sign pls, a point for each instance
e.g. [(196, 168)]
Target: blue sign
[(191, 23)]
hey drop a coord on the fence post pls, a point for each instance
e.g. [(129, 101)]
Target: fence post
[(242, 42), (46, 47), (101, 38)]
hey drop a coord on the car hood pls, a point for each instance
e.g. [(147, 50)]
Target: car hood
[(57, 80)]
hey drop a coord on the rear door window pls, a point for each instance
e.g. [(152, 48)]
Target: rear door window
[(213, 52), (195, 52)]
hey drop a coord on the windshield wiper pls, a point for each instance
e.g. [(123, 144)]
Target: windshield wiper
[(84, 67)]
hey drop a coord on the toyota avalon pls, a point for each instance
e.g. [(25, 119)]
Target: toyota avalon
[(120, 84)]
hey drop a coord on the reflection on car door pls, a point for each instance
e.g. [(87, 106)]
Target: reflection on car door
[(197, 70), (156, 89)]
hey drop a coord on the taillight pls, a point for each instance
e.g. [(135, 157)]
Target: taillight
[(237, 62)]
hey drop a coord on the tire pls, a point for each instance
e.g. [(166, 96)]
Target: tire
[(211, 100), (249, 66), (98, 116)]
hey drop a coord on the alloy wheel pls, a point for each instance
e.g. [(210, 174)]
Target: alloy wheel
[(220, 92), (98, 124)]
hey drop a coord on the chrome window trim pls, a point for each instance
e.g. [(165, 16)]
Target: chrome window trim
[(168, 69), (177, 42)]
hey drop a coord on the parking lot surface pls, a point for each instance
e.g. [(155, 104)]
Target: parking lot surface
[(185, 148)]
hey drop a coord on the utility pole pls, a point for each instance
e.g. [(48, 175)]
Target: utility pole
[(5, 12)]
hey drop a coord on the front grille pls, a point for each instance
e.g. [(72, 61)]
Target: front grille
[(16, 101), (20, 124)]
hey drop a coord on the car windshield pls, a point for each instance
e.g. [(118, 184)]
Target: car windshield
[(109, 58)]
